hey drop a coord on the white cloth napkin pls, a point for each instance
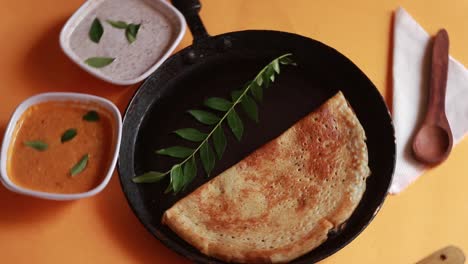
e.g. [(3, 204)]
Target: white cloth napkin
[(411, 69)]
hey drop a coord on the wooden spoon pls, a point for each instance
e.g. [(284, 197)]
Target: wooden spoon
[(433, 142)]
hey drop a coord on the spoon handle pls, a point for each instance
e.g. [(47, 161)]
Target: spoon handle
[(438, 82)]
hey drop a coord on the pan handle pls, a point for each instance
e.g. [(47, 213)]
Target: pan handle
[(190, 10)]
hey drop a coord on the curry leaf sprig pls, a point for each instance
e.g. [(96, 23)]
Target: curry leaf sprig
[(183, 173)]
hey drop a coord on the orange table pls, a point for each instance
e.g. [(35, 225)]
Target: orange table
[(432, 213)]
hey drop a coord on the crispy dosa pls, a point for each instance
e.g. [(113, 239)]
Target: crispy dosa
[(281, 201)]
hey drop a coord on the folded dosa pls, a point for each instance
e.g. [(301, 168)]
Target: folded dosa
[(281, 201)]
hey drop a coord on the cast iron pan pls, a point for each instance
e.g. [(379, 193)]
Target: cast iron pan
[(214, 66)]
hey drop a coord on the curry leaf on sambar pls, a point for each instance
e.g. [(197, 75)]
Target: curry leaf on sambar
[(37, 145), (80, 165), (91, 116), (69, 134)]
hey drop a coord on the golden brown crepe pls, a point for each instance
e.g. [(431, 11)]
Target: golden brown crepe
[(281, 201)]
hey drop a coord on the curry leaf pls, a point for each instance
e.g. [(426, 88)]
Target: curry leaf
[(117, 24), (91, 116), (207, 157), (150, 176), (169, 187), (270, 74), (217, 103), (259, 80), (96, 31), (176, 152), (204, 117), (235, 95), (250, 107), (219, 141), (235, 123), (287, 61), (80, 166), (177, 178), (276, 66), (257, 91), (99, 62), (191, 134), (190, 171), (266, 81), (69, 134), (131, 32), (37, 145)]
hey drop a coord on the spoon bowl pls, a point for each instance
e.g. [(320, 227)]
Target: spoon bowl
[(432, 144)]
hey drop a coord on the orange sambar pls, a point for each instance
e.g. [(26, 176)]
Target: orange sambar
[(50, 170)]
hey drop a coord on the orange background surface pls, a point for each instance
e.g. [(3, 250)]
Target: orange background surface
[(432, 213)]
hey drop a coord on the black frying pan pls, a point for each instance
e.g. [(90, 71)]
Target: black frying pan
[(214, 66)]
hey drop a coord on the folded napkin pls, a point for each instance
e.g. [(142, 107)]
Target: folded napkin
[(411, 69)]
